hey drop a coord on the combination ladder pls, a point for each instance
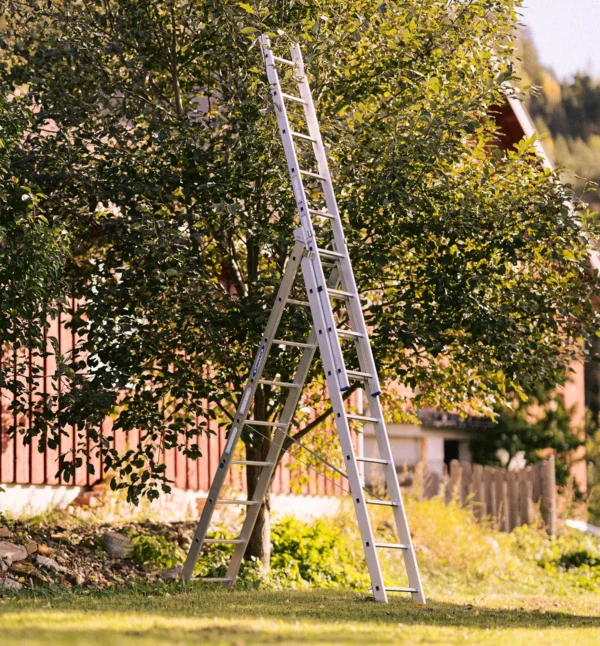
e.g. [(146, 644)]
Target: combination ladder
[(321, 290)]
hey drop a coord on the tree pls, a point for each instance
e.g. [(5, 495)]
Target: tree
[(529, 429), (167, 170)]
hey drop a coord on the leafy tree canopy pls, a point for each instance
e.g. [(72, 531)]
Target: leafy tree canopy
[(162, 161)]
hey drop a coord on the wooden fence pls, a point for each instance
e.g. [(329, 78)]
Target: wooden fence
[(508, 498)]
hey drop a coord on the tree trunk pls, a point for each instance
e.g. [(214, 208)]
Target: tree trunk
[(259, 545)]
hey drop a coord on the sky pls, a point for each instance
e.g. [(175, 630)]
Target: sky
[(566, 34)]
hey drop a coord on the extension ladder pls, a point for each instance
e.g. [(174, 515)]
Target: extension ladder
[(325, 334)]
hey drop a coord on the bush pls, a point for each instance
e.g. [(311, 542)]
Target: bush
[(156, 550)]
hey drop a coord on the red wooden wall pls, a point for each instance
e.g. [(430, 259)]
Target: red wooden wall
[(24, 464)]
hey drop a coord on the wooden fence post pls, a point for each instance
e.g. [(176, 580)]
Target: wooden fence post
[(479, 493), (514, 519), (490, 490), (548, 498), (466, 483), (525, 496), (453, 490)]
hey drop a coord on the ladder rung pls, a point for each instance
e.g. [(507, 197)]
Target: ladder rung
[(392, 546), (330, 254), (252, 463), (301, 136), (349, 334), (372, 460), (285, 61), (282, 384), (315, 175), (362, 418), (291, 97), (355, 374), (293, 344), (258, 422), (293, 301), (225, 541), (338, 293), (322, 214), (215, 580), (401, 590), (238, 502), (385, 503)]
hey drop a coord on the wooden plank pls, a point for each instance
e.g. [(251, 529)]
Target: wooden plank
[(65, 343), (22, 450), (501, 487), (548, 500), (454, 485), (489, 479), (514, 516), (525, 496), (478, 504), (38, 458), (51, 455), (466, 488), (7, 443)]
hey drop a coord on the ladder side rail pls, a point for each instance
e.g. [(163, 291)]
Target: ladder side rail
[(266, 476), (284, 291), (400, 518), (309, 237), (355, 313), (344, 433)]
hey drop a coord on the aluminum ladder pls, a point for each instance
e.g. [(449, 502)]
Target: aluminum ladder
[(313, 260)]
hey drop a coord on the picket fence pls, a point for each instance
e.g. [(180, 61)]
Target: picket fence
[(507, 499)]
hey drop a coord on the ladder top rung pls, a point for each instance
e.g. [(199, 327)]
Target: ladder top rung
[(322, 214), (285, 61), (281, 384), (326, 253), (237, 502), (293, 301), (252, 463), (362, 418), (356, 374), (259, 422), (225, 541), (291, 97), (293, 344), (393, 546), (301, 136), (401, 590), (315, 175), (339, 293), (215, 580), (385, 503), (372, 460), (349, 334)]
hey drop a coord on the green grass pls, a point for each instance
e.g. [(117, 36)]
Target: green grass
[(175, 615)]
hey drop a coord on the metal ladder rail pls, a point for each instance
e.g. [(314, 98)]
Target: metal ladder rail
[(241, 415), (327, 330), (355, 313)]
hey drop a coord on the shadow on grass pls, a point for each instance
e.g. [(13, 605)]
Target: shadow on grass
[(319, 606)]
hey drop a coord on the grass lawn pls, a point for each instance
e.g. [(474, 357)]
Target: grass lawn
[(174, 615)]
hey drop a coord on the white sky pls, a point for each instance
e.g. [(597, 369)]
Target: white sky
[(566, 34)]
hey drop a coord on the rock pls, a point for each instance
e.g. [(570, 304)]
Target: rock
[(12, 552), (51, 564), (10, 584), (30, 546), (4, 531), (117, 545), (44, 549), (172, 573)]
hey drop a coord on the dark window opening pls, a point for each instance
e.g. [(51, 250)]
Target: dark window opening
[(450, 451)]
